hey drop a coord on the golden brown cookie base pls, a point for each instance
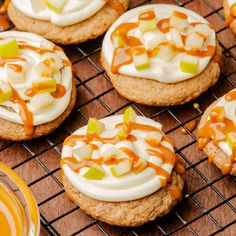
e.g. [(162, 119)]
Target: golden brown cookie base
[(214, 152), (16, 132), (232, 25), (154, 93), (130, 213), (91, 28)]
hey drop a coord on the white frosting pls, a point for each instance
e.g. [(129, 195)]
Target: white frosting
[(74, 11), (124, 188), (230, 114), (63, 77), (166, 72)]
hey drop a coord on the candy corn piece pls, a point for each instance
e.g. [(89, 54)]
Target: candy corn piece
[(189, 64), (178, 20), (6, 92), (95, 127), (147, 20), (9, 48), (120, 169), (140, 57)]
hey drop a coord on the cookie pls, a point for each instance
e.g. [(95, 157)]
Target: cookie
[(87, 21), (122, 170), (38, 91), (219, 150), (156, 69), (230, 14)]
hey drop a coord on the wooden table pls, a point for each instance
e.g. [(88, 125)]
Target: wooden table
[(209, 205)]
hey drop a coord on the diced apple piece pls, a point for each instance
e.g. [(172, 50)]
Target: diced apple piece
[(123, 132), (129, 114), (110, 153), (16, 72), (38, 5), (95, 127), (194, 41), (231, 139), (117, 38), (166, 52), (96, 172), (56, 6), (5, 92), (154, 136), (140, 57), (176, 38), (45, 44), (178, 20), (120, 169), (188, 30), (139, 166), (51, 63), (147, 20), (9, 48), (203, 29), (189, 64), (152, 38), (41, 102), (83, 152), (45, 85)]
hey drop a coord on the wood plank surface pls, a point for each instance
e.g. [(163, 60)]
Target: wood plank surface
[(212, 197)]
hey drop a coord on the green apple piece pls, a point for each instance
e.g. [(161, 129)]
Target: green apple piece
[(83, 152), (6, 92), (154, 135), (194, 41), (231, 139), (41, 102), (45, 85), (16, 72), (120, 169), (49, 65), (166, 52), (178, 20), (56, 6), (129, 114), (189, 64), (47, 45), (38, 5), (176, 38), (140, 57), (139, 166), (147, 20), (110, 153), (95, 127), (152, 38), (203, 29), (123, 132), (117, 41), (96, 172), (9, 48)]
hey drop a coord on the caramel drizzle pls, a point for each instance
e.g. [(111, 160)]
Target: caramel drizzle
[(216, 129), (231, 11), (122, 55), (116, 5), (165, 154)]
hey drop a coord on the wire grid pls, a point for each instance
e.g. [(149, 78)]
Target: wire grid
[(210, 198)]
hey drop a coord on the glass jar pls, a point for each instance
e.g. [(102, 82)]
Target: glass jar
[(19, 214)]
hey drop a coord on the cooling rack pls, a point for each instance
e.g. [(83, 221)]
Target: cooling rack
[(209, 204)]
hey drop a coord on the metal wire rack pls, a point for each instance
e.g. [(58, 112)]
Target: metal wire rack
[(209, 205)]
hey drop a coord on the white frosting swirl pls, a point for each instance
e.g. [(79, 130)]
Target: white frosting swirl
[(165, 72), (74, 11), (127, 187), (229, 107), (63, 77)]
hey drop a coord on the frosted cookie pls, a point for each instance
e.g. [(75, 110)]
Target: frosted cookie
[(161, 55), (230, 14), (217, 133), (66, 21), (122, 170), (36, 88), (19, 214)]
